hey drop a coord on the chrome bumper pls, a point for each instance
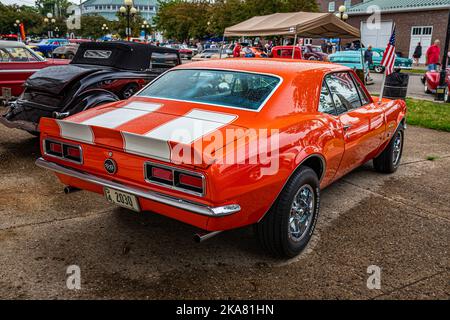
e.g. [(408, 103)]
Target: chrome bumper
[(142, 193)]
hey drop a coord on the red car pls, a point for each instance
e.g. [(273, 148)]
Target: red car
[(431, 81), (17, 64), (222, 144), (285, 52)]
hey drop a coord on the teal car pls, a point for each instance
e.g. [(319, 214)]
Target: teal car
[(354, 60), (401, 63)]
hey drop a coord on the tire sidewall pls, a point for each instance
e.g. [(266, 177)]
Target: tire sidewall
[(394, 167)]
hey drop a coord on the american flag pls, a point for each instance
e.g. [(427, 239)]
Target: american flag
[(389, 56)]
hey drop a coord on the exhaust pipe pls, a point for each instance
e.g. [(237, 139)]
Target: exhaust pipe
[(200, 237), (70, 189)]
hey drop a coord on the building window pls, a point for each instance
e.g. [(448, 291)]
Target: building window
[(348, 3), (331, 6)]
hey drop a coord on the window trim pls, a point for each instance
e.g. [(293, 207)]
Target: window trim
[(216, 104)]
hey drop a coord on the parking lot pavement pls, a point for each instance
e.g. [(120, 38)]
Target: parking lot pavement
[(416, 89), (399, 222)]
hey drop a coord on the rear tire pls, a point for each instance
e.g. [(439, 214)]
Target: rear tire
[(288, 226), (389, 160)]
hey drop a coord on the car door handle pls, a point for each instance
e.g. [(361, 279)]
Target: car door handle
[(347, 126)]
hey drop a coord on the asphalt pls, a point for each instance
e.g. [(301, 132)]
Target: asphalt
[(398, 222)]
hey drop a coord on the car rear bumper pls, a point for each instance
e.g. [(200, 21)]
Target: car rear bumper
[(178, 203)]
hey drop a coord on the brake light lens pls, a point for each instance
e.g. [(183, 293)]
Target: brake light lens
[(72, 153), (55, 148), (190, 181), (174, 178), (162, 174), (63, 150)]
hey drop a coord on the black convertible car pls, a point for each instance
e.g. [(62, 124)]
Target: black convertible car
[(99, 73)]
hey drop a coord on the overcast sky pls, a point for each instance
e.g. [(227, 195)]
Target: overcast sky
[(26, 2)]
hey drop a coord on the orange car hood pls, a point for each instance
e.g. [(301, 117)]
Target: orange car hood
[(164, 130)]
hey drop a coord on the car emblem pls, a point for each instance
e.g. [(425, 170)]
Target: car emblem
[(110, 166)]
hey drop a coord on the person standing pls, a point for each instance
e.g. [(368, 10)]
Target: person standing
[(237, 50), (368, 61), (433, 54), (417, 53)]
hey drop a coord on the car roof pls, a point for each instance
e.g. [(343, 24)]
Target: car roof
[(279, 67), (11, 44)]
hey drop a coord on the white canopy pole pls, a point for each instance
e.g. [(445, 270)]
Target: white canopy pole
[(294, 45)]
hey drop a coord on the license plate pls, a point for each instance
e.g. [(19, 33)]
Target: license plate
[(122, 199), (6, 93)]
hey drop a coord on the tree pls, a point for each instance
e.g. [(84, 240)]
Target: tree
[(91, 26), (121, 25), (182, 20)]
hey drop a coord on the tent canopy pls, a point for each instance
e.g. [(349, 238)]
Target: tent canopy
[(304, 24)]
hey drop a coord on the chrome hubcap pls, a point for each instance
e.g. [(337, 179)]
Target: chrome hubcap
[(301, 214), (397, 149)]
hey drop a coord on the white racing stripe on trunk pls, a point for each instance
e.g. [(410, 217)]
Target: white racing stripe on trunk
[(190, 127), (75, 131), (120, 116), (143, 146), (185, 129)]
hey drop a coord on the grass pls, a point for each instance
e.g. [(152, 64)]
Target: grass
[(432, 158), (419, 71), (428, 114)]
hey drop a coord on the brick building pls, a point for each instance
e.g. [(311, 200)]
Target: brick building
[(416, 21)]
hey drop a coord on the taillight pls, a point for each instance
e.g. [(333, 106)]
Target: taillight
[(162, 174), (174, 178), (54, 148), (72, 153), (194, 183), (63, 150)]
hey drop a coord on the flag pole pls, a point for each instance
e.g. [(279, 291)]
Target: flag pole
[(384, 71), (382, 87)]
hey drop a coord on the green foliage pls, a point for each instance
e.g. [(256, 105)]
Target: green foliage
[(120, 26), (182, 20), (91, 26)]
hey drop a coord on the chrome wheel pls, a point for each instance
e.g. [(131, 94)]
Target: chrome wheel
[(302, 212), (397, 148)]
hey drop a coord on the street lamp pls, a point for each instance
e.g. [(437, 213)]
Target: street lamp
[(341, 14), (17, 25), (47, 21), (128, 11), (145, 26), (104, 29), (57, 32)]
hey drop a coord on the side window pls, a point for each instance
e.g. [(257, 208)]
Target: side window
[(163, 60), (326, 104), (343, 92)]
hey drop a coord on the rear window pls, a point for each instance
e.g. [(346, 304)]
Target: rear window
[(224, 88)]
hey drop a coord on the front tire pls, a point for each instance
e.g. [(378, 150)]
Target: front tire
[(288, 226), (389, 160)]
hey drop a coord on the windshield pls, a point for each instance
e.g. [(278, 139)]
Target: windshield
[(225, 88), (316, 49)]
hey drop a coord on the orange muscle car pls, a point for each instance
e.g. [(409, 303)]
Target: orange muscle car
[(228, 143)]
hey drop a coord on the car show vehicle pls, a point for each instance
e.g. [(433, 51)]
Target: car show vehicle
[(68, 51), (100, 72), (285, 52), (431, 81), (311, 52), (210, 54), (17, 63), (46, 46), (223, 144), (351, 58)]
